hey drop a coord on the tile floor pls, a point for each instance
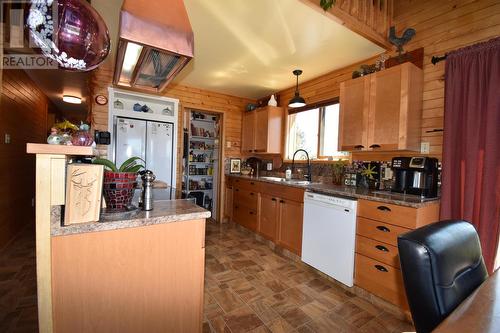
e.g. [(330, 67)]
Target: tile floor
[(248, 288), (18, 311)]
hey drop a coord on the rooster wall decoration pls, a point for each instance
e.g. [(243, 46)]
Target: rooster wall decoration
[(400, 41)]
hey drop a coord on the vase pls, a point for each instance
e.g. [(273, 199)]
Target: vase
[(118, 190), (272, 101), (82, 138)]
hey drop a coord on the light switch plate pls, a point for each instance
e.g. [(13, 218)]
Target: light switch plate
[(425, 147), (7, 138), (228, 144)]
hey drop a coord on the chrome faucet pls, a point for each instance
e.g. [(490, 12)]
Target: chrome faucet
[(309, 174)]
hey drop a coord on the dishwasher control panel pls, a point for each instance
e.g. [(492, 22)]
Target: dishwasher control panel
[(330, 200)]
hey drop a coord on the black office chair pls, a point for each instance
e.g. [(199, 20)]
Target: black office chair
[(441, 264)]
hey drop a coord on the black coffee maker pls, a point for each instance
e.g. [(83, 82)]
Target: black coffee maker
[(416, 175)]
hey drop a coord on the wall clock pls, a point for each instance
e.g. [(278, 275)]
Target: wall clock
[(101, 100)]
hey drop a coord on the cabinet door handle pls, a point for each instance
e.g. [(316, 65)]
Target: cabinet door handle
[(251, 213), (273, 199), (383, 229), (359, 147), (375, 146), (252, 183), (237, 190), (251, 193), (382, 248), (381, 268), (384, 208), (282, 201), (236, 207)]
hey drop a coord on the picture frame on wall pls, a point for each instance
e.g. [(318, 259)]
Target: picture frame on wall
[(234, 165)]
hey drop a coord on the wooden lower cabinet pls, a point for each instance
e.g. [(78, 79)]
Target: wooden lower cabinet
[(245, 216), (274, 211), (380, 279), (290, 225), (268, 217), (145, 279), (228, 203), (378, 226)]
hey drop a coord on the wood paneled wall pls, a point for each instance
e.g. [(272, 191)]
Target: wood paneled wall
[(23, 115), (231, 108), (441, 26)]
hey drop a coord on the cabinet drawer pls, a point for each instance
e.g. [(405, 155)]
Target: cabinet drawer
[(245, 198), (245, 216), (379, 231), (283, 191), (246, 184), (382, 252), (380, 279), (393, 214)]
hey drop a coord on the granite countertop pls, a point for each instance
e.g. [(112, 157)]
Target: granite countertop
[(354, 192), (164, 211)]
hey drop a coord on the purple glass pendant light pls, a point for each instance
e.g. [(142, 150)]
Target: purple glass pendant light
[(77, 38)]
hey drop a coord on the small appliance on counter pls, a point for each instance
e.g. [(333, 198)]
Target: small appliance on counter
[(416, 175)]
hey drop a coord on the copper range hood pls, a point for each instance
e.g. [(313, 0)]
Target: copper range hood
[(155, 43)]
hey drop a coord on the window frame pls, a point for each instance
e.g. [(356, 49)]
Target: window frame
[(321, 106)]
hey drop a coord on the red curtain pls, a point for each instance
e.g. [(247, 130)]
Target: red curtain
[(471, 153)]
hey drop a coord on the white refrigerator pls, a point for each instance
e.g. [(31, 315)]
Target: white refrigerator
[(152, 141)]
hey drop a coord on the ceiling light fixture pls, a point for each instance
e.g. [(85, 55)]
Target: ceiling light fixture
[(297, 101), (72, 99)]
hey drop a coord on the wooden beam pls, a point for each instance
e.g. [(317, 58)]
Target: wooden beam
[(354, 24)]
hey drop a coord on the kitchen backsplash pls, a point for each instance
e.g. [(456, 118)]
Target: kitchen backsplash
[(324, 172)]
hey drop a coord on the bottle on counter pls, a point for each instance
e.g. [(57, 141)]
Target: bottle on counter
[(288, 173)]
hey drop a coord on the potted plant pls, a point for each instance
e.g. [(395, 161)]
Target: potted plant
[(119, 183), (338, 171)]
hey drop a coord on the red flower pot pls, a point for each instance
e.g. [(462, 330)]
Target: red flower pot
[(118, 189)]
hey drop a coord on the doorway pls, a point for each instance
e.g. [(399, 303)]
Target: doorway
[(202, 162)]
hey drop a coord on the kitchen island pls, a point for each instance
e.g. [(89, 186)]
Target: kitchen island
[(138, 273), (141, 274)]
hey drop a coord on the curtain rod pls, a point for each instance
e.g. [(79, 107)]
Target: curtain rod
[(436, 59)]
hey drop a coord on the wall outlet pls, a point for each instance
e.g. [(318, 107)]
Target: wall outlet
[(7, 138), (228, 144), (425, 147)]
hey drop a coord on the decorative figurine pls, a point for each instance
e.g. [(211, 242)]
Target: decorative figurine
[(400, 41)]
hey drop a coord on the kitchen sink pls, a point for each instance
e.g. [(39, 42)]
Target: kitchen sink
[(274, 179), (291, 181)]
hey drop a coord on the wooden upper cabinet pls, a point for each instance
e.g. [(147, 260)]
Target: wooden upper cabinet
[(353, 124), (248, 131), (382, 111), (262, 130)]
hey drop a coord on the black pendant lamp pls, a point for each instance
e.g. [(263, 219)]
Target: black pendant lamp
[(297, 101)]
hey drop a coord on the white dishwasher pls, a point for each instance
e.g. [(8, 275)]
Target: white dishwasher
[(329, 235)]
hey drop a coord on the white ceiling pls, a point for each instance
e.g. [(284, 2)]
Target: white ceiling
[(250, 48), (246, 48)]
